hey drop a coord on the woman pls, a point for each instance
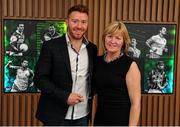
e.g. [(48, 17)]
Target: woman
[(117, 80)]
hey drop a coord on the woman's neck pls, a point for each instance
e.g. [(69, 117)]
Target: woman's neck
[(112, 56)]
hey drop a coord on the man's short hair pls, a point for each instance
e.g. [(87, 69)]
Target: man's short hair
[(80, 8), (160, 63), (20, 24), (51, 25)]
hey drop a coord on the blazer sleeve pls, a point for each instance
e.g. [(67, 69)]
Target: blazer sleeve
[(42, 78)]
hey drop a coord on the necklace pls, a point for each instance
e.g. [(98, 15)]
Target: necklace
[(113, 59)]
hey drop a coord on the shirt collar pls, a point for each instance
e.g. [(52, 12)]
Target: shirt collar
[(84, 41), (19, 32)]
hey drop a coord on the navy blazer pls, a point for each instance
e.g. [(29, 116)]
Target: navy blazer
[(53, 77)]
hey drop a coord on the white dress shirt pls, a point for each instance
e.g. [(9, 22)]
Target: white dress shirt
[(79, 70)]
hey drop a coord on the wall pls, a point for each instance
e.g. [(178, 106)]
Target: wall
[(19, 109)]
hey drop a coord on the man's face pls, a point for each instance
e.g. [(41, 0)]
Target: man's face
[(161, 66), (51, 29), (133, 42), (163, 31), (77, 23), (24, 63), (20, 27)]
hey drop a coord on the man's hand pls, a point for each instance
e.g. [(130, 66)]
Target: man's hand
[(15, 48), (74, 98), (9, 63), (165, 49)]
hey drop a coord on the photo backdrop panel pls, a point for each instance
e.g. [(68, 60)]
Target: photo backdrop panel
[(151, 43), (159, 76), (22, 44)]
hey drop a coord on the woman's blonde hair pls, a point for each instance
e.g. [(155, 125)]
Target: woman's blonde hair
[(118, 28)]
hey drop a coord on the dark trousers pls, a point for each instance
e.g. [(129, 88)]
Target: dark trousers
[(78, 122)]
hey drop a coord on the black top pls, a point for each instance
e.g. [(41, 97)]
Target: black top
[(113, 99)]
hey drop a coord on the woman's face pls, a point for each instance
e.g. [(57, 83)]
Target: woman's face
[(114, 43)]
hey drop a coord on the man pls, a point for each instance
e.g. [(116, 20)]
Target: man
[(157, 44), (16, 39), (157, 79), (24, 77), (64, 72), (51, 34), (133, 51)]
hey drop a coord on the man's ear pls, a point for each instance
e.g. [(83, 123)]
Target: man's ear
[(66, 21)]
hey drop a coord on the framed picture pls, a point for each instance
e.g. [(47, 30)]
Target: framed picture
[(22, 44), (153, 48)]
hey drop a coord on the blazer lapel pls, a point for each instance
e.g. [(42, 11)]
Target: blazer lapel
[(65, 54), (90, 55)]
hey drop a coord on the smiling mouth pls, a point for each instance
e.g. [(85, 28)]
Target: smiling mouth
[(78, 31), (78, 34), (112, 45)]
